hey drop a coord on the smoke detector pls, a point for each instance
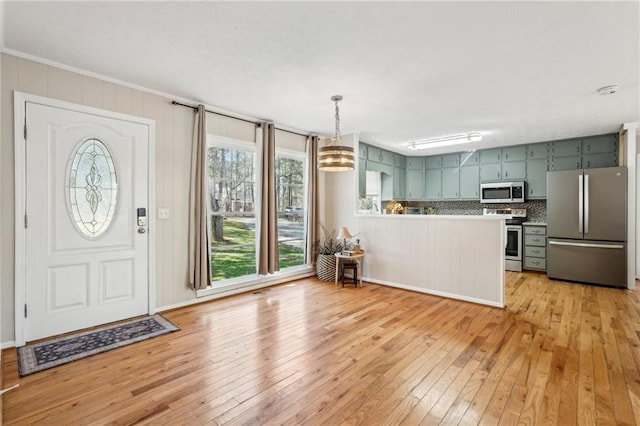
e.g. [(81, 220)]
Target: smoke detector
[(608, 90)]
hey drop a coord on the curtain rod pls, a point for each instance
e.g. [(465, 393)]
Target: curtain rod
[(257, 123)]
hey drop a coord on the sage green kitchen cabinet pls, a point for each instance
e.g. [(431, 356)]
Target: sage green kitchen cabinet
[(362, 177), (415, 163), (536, 178), (469, 158), (600, 144), (606, 159), (414, 189), (381, 156), (379, 167), (399, 160), (399, 183), (433, 184), (488, 156), (514, 153), (565, 163), (362, 151), (433, 162), (451, 183), (451, 160), (470, 182), (490, 172), (537, 151), (566, 148), (513, 170), (535, 250)]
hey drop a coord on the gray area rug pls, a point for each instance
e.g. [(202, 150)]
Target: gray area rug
[(51, 353)]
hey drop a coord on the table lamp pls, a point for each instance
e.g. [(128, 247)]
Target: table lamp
[(343, 235)]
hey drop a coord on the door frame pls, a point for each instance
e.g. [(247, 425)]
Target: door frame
[(19, 103)]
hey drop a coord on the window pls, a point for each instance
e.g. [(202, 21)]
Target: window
[(232, 200), (290, 178)]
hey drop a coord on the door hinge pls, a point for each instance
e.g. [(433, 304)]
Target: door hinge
[(26, 221), (25, 310), (25, 132)]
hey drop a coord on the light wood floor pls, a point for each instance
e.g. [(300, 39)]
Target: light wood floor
[(306, 353)]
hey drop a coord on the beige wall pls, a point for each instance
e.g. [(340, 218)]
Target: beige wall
[(174, 127)]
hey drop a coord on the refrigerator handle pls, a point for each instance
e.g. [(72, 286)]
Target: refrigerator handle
[(588, 245), (580, 204), (586, 204)]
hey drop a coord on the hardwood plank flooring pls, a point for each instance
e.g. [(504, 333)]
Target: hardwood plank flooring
[(308, 353)]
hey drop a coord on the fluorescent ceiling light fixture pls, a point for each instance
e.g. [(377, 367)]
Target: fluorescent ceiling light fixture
[(445, 141)]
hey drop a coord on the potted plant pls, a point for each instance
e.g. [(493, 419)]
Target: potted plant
[(326, 248)]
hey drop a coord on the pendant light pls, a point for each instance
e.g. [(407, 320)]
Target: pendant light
[(336, 157)]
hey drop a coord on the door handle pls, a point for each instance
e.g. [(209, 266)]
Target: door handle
[(580, 206), (586, 204), (588, 245)]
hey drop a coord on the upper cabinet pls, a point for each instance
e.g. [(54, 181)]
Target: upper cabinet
[(585, 153), (458, 176)]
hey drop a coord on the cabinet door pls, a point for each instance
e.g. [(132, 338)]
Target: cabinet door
[(488, 156), (415, 163), (386, 157), (566, 148), (514, 153), (414, 184), (399, 160), (513, 170), (537, 178), (599, 144), (433, 162), (362, 178), (470, 182), (433, 184), (451, 160), (469, 158), (606, 159), (451, 183), (362, 150), (565, 163), (489, 172), (399, 183), (373, 154), (537, 151)]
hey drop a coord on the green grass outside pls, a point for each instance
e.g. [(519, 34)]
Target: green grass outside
[(235, 256)]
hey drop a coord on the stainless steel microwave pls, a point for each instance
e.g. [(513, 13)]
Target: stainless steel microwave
[(502, 192)]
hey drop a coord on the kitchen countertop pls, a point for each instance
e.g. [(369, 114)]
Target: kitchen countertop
[(535, 223)]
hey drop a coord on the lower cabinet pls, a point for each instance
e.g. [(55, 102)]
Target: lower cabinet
[(535, 247)]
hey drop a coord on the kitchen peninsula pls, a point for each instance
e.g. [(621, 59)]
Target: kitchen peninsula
[(461, 257)]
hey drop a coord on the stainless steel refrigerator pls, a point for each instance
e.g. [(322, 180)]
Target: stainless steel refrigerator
[(587, 226)]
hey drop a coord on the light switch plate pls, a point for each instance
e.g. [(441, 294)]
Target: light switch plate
[(163, 213)]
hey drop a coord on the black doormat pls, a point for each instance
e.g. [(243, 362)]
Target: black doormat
[(51, 353)]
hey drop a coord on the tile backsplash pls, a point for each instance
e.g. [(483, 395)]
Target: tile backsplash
[(536, 209)]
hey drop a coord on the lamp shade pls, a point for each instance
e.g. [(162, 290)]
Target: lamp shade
[(336, 158), (344, 233)]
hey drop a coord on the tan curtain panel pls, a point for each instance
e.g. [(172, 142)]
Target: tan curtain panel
[(268, 256), (312, 200), (199, 265)]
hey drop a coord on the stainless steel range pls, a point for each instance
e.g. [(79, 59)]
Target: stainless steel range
[(513, 249)]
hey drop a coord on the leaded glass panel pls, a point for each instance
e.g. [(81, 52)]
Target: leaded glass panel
[(92, 188)]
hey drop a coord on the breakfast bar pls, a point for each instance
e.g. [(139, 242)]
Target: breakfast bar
[(461, 257)]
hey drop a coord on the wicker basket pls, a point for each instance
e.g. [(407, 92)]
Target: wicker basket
[(326, 267)]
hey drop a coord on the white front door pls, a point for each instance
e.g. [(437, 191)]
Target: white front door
[(86, 252)]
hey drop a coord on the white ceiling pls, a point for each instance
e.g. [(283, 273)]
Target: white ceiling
[(517, 72)]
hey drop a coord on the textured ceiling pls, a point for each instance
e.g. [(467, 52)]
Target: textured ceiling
[(517, 72)]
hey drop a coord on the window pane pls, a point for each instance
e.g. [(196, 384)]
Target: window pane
[(233, 221), (290, 199)]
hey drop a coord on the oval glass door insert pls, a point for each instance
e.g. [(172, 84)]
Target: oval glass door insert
[(92, 188)]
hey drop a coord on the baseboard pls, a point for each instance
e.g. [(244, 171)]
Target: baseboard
[(435, 292), (213, 294)]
